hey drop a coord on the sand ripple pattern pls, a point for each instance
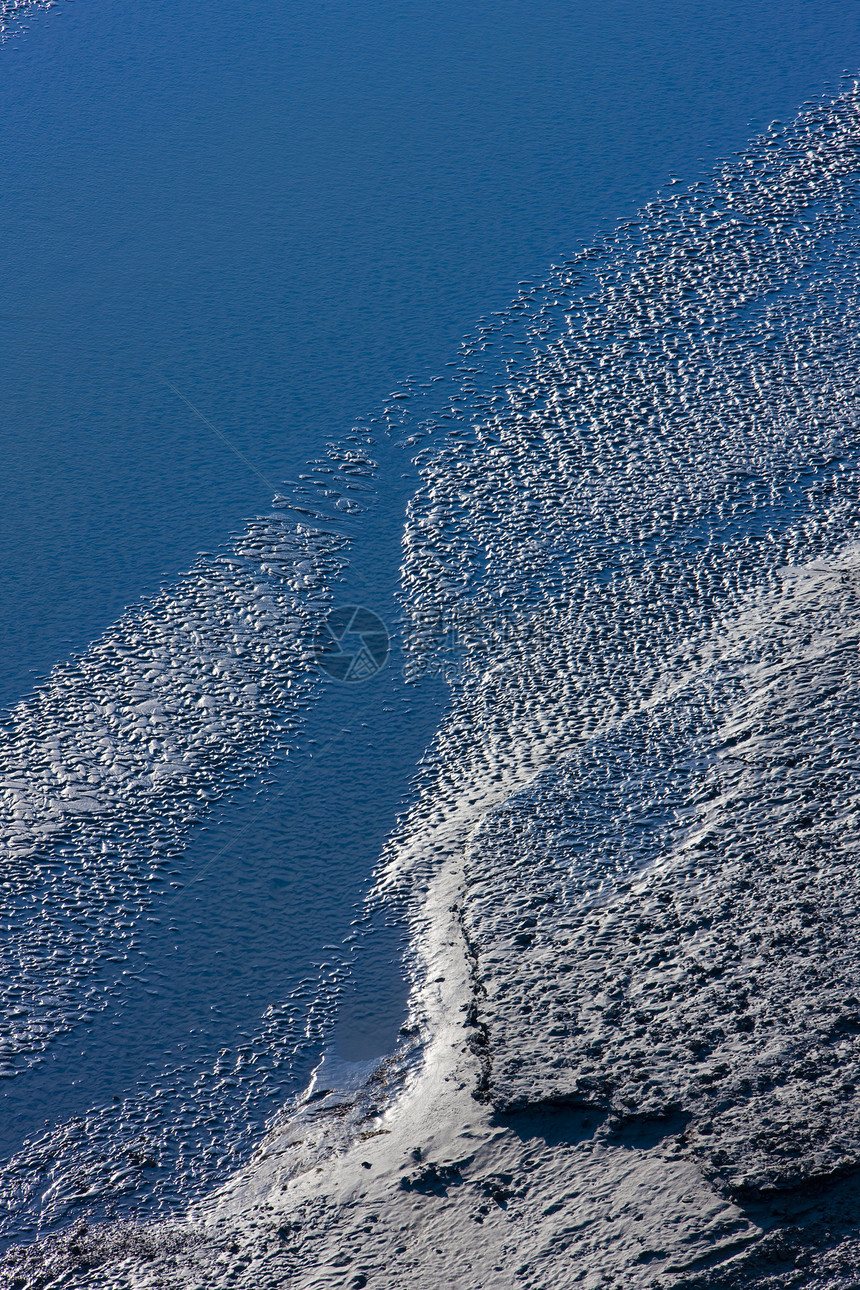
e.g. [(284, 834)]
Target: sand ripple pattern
[(635, 553), (110, 763), (105, 770)]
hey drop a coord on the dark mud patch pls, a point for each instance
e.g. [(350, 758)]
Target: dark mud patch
[(70, 1257), (644, 1132), (432, 1179), (811, 1240), (554, 1123)]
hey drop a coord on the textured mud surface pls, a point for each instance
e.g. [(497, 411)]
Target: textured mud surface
[(701, 1004), (722, 983)]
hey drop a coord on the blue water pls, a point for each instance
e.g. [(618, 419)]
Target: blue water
[(284, 214)]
